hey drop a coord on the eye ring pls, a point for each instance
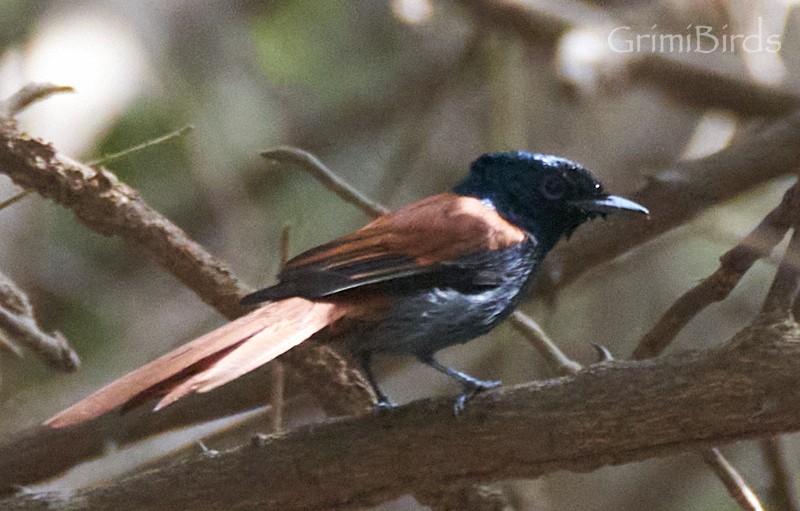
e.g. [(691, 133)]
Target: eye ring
[(553, 188)]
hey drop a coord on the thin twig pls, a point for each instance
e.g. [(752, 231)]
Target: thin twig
[(28, 95), (783, 292), (734, 264), (52, 349), (557, 359), (277, 398), (13, 200), (736, 485), (7, 345), (144, 145), (285, 249), (324, 175)]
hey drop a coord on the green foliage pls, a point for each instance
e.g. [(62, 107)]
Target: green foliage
[(161, 173), (320, 45)]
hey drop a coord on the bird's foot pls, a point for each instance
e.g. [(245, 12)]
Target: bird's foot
[(473, 389)]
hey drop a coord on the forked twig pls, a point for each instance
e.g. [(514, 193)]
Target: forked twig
[(734, 264), (18, 322)]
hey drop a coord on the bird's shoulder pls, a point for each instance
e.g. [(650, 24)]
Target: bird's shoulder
[(436, 229), (433, 242)]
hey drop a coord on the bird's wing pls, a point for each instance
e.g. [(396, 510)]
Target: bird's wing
[(423, 240), (212, 360)]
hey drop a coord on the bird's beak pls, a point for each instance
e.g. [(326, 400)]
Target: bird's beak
[(611, 204)]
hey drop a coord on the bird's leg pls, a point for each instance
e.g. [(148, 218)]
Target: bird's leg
[(365, 358), (472, 386)]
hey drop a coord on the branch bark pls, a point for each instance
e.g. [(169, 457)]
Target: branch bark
[(608, 414)]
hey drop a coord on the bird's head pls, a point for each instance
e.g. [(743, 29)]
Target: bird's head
[(546, 195)]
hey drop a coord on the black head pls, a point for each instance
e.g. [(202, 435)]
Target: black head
[(546, 195)]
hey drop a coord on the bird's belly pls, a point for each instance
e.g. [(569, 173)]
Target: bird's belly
[(424, 324)]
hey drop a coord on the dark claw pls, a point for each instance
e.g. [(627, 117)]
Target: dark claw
[(603, 354), (473, 390), (384, 405)]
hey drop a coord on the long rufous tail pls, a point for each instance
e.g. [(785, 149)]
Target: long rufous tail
[(214, 359)]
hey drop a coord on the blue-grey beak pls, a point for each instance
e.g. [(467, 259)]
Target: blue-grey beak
[(611, 204)]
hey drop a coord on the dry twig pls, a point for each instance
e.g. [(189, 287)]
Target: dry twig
[(105, 159), (735, 484), (734, 264), (29, 95)]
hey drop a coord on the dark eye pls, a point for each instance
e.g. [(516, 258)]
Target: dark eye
[(553, 188)]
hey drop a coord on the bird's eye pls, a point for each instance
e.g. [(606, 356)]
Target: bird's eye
[(553, 188)]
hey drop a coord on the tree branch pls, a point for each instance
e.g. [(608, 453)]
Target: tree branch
[(608, 414), (106, 205), (734, 264)]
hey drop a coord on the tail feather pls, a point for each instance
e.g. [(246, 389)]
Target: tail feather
[(211, 360)]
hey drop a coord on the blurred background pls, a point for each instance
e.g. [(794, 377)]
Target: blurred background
[(397, 97)]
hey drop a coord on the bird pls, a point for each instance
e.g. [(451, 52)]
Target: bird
[(436, 273)]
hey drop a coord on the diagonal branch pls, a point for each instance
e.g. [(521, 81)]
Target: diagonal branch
[(735, 484), (108, 206), (734, 264)]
